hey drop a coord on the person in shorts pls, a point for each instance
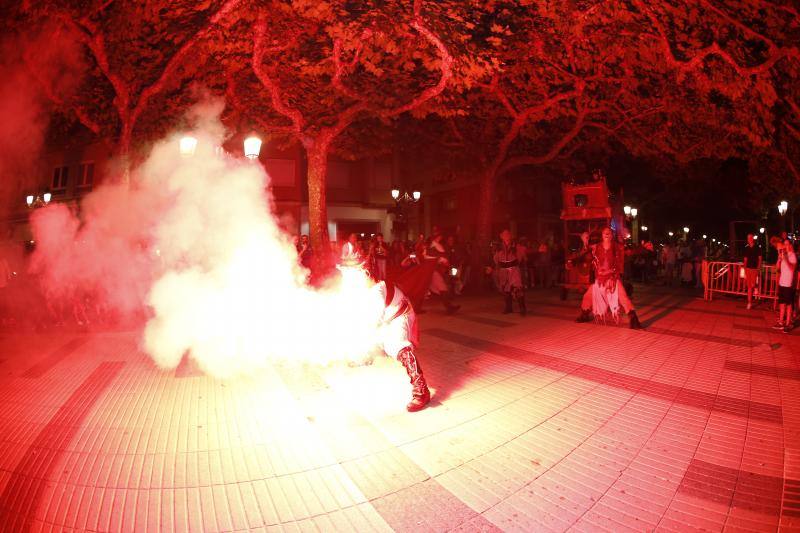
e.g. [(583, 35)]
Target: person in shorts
[(752, 265), (787, 264)]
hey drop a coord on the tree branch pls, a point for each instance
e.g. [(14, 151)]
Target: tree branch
[(173, 63), (446, 66), (518, 161), (259, 51), (340, 69), (232, 98), (684, 67)]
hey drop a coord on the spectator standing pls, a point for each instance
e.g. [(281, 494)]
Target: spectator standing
[(351, 251), (787, 263), (543, 265), (378, 254), (698, 256), (751, 258), (669, 256)]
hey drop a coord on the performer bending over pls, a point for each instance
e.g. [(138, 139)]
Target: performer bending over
[(397, 328), (400, 337), (607, 293)]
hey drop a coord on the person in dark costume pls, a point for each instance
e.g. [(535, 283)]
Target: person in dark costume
[(507, 259)]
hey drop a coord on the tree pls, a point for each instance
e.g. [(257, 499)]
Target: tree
[(661, 81), (316, 68), (135, 52)]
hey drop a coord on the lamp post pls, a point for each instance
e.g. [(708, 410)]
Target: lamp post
[(401, 200), (783, 207), (631, 214), (34, 200)]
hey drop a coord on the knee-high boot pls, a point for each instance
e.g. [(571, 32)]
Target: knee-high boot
[(420, 395)]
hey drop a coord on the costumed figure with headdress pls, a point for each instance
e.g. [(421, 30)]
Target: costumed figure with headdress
[(607, 294), (436, 255), (507, 259)]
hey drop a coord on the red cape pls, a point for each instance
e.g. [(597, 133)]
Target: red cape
[(415, 281)]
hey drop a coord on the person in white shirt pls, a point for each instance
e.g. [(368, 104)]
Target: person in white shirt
[(787, 264)]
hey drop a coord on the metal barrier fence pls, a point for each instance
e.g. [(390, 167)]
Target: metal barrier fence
[(729, 278)]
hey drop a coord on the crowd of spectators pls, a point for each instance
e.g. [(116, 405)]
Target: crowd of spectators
[(28, 304)]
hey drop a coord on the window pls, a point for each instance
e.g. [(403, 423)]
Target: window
[(86, 175), (60, 178), (338, 175)]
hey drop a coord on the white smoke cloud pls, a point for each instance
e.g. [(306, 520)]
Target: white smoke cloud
[(231, 291), (194, 241)]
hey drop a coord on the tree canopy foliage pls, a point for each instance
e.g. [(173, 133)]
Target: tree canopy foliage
[(499, 83)]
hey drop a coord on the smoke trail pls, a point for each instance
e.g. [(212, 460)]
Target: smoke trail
[(197, 241)]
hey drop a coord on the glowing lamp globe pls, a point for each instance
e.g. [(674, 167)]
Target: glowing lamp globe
[(627, 210), (671, 234), (46, 197), (395, 193), (705, 236), (188, 145), (685, 229), (783, 207), (761, 230), (644, 228), (634, 212), (29, 200), (416, 195), (252, 147)]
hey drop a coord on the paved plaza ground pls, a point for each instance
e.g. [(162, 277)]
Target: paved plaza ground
[(537, 424)]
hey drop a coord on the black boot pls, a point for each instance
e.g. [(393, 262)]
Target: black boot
[(449, 306), (585, 316), (420, 395), (507, 308), (523, 310), (634, 321)]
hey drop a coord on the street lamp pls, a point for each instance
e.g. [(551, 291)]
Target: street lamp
[(686, 229), (188, 145), (705, 236), (670, 234), (627, 210), (761, 230), (644, 228), (783, 207), (402, 199), (634, 212), (252, 147), (32, 200)]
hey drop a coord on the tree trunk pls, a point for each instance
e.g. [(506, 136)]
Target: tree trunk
[(125, 137), (317, 153)]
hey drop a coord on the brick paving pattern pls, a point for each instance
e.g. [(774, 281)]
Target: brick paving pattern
[(536, 424)]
